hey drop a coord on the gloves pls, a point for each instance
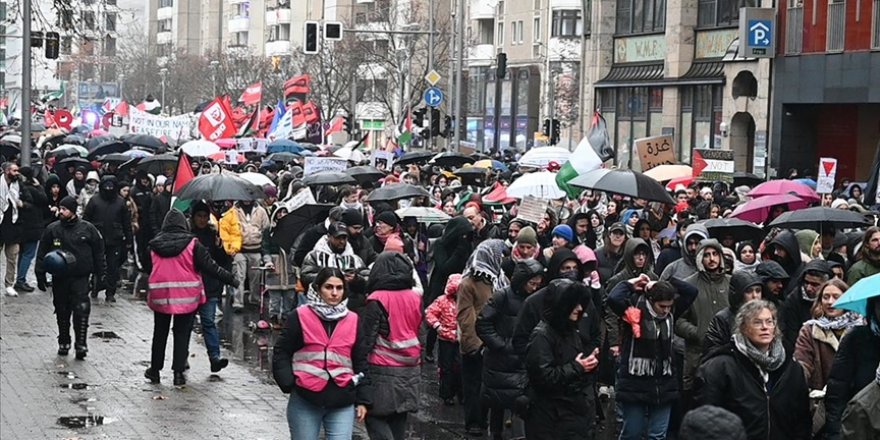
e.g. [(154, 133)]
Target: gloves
[(595, 282)]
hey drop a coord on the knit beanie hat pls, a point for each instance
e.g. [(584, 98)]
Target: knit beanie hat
[(452, 284), (563, 231), (711, 422), (353, 217), (69, 203), (527, 235), (388, 217), (394, 244)]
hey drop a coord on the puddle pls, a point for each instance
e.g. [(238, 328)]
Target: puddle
[(105, 335), (75, 422), (75, 386)]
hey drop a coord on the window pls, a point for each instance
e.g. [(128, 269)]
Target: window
[(87, 47), (86, 72), (373, 12), (279, 32), (537, 5), (794, 26), (721, 13), (109, 46), (500, 34), (242, 10), (380, 46), (66, 46), (875, 26), (88, 18), (486, 27), (641, 16), (109, 73), (501, 7), (516, 28), (164, 25), (632, 103), (65, 19), (239, 39), (836, 25), (166, 3), (567, 23), (536, 29), (110, 22), (369, 90), (110, 2)]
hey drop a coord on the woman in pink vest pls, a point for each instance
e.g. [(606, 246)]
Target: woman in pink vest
[(390, 323), (175, 290), (317, 360)]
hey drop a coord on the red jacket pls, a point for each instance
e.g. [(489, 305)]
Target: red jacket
[(441, 316)]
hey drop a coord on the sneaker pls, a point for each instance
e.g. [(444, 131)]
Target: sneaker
[(153, 375), (63, 349), (218, 364), (24, 287), (179, 379), (81, 354), (10, 291)]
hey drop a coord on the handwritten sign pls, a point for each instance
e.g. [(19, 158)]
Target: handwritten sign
[(314, 165), (382, 160), (532, 209), (175, 127), (655, 150), (302, 198), (827, 173)]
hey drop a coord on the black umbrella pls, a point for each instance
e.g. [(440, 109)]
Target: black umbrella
[(472, 175), (741, 230), (98, 140), (293, 224), (116, 158), (60, 167), (329, 178), (107, 147), (365, 173), (741, 178), (9, 150), (414, 157), (309, 146), (820, 218), (397, 191), (282, 157), (157, 164), (451, 160), (222, 186), (74, 139), (145, 140), (624, 182)]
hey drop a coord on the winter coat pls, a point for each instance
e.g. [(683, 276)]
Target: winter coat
[(441, 316), (473, 294), (81, 239), (559, 388), (210, 239), (730, 380), (230, 232), (626, 272), (687, 264), (109, 213), (793, 265), (796, 310), (657, 388), (31, 214), (160, 204), (363, 248), (306, 242), (322, 256), (451, 252), (252, 227), (862, 268), (694, 323), (854, 367), (815, 349), (504, 373), (143, 197), (771, 270), (721, 327), (668, 256), (291, 340), (607, 262), (861, 420)]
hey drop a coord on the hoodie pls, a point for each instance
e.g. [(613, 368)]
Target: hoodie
[(792, 264), (720, 329), (686, 266), (806, 239), (109, 213), (175, 236), (559, 257), (796, 310), (627, 268)]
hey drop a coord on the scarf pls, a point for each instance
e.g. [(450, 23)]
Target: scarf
[(845, 321), (355, 205), (383, 237), (517, 256), (325, 311), (770, 361), (485, 263), (9, 197), (653, 348)]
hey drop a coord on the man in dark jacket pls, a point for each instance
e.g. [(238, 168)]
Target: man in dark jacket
[(785, 250), (795, 311), (160, 204), (675, 251), (34, 203), (580, 225), (686, 265), (608, 256), (361, 246), (109, 213), (142, 194), (483, 228), (775, 280), (70, 289), (210, 239), (745, 286)]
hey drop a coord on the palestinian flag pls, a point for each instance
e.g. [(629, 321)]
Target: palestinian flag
[(586, 157), (151, 106), (250, 126), (182, 176), (406, 134), (54, 95)]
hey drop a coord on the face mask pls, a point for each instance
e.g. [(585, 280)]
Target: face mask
[(571, 275)]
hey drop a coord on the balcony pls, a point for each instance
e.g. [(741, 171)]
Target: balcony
[(238, 24), (483, 9), (481, 54), (163, 37), (165, 13), (277, 48), (278, 16)]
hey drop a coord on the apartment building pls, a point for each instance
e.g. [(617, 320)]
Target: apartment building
[(43, 70), (175, 25)]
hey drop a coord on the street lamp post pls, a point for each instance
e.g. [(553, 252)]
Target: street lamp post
[(163, 73), (214, 65), (121, 83)]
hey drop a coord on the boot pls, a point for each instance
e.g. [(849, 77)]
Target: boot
[(218, 364), (152, 374), (63, 349), (179, 379), (81, 333)]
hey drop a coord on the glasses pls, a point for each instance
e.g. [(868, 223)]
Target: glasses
[(761, 323)]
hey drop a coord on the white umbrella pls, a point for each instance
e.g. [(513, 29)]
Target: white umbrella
[(542, 156), (348, 153), (200, 148), (541, 185), (423, 215), (258, 179)]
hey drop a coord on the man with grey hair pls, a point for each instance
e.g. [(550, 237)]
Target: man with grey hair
[(10, 203)]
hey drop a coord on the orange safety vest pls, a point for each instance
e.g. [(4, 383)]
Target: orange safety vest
[(324, 357), (175, 286)]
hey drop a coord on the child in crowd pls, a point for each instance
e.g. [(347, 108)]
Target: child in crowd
[(441, 316)]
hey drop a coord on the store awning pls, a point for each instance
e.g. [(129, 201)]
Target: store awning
[(629, 75), (703, 72)]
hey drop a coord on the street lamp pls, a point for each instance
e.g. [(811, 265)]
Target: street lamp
[(163, 72), (214, 65)]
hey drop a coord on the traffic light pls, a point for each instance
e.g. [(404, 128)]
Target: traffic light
[(501, 67), (333, 30), (447, 126), (53, 40), (555, 127), (310, 42), (545, 128), (419, 117), (36, 38), (435, 122), (348, 124)]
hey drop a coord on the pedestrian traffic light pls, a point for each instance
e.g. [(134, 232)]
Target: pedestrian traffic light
[(348, 124), (419, 117), (310, 40), (435, 122), (555, 128), (501, 65), (447, 126), (53, 40)]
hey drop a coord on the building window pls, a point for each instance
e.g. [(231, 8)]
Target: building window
[(721, 13), (641, 16), (794, 26), (166, 3), (836, 25), (501, 7), (380, 46), (65, 19), (516, 28), (536, 29), (86, 72), (500, 35), (110, 2), (109, 73), (239, 39), (373, 12), (66, 46), (88, 18), (110, 22), (279, 32), (537, 5), (164, 50), (875, 26), (109, 46), (369, 90), (567, 23), (632, 102), (87, 47), (242, 10), (164, 25)]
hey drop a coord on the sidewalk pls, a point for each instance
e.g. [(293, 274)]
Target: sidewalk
[(37, 387)]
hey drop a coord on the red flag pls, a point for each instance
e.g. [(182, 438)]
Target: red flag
[(240, 116), (266, 117), (253, 94), (49, 119), (310, 110), (184, 173), (335, 125), (298, 84), (296, 114), (216, 121), (122, 109)]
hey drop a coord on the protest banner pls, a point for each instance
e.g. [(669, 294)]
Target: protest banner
[(173, 127), (314, 165)]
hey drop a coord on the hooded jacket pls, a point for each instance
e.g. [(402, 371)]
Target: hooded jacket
[(721, 327), (35, 204), (504, 374), (109, 213), (694, 323), (793, 264), (175, 236), (626, 272), (867, 265), (796, 310), (572, 223), (806, 239), (770, 270), (451, 252), (323, 256), (686, 265)]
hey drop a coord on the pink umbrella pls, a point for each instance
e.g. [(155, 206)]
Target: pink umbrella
[(782, 186), (757, 210), (226, 144)]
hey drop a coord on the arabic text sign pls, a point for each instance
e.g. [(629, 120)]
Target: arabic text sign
[(314, 165), (175, 127), (656, 150)]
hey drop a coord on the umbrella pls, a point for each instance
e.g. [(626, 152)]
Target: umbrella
[(757, 210), (414, 157), (200, 148), (258, 179), (365, 173), (145, 140), (281, 157), (782, 186), (471, 175), (397, 191), (451, 160), (134, 152), (294, 223), (74, 139), (226, 143), (856, 297), (625, 182), (820, 218), (491, 165), (60, 167), (541, 185), (224, 186), (109, 145), (686, 181), (11, 137), (741, 178), (542, 156), (93, 143), (328, 178), (115, 158), (809, 182), (348, 153), (423, 215), (158, 164), (65, 151), (741, 230), (284, 146), (662, 173), (9, 150)]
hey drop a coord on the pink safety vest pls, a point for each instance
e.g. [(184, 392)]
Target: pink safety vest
[(324, 357), (402, 347), (175, 286)]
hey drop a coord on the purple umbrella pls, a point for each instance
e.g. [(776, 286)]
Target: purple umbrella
[(782, 186), (757, 210)]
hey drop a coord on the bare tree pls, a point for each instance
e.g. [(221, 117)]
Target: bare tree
[(333, 71)]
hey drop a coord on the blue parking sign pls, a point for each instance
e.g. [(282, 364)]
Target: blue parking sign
[(760, 33)]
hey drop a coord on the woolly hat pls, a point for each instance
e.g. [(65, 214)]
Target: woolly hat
[(68, 203), (711, 422), (563, 231), (387, 217), (394, 244), (452, 284), (353, 217), (838, 203), (527, 235), (270, 190), (160, 180)]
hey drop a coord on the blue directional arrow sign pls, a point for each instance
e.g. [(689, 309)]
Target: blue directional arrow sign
[(433, 97), (760, 33)]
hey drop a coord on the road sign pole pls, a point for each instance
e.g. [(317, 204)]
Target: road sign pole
[(25, 103), (431, 58)]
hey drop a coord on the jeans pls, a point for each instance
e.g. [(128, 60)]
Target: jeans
[(243, 265), (305, 420), (390, 427), (207, 312), (471, 385), (183, 325), (640, 419), (281, 302), (27, 252)]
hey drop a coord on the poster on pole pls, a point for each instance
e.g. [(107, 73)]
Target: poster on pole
[(172, 127), (314, 165), (655, 150), (827, 173)]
